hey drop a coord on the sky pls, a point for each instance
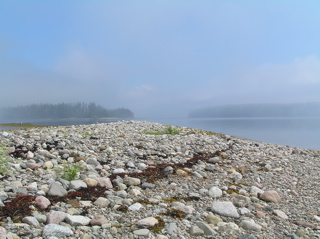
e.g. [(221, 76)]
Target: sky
[(159, 58)]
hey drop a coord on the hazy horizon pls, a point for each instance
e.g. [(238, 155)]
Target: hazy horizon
[(160, 58)]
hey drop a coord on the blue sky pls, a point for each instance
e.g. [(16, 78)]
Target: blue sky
[(159, 58)]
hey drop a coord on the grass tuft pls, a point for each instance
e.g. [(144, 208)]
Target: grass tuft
[(169, 130), (69, 172), (4, 159)]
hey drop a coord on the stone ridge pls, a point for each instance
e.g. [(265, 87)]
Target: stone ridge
[(129, 184)]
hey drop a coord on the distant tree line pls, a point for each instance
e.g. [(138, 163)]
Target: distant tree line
[(258, 110), (63, 111)]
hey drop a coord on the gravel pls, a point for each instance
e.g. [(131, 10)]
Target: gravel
[(132, 184)]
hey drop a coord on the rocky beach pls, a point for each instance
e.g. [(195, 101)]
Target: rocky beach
[(132, 179)]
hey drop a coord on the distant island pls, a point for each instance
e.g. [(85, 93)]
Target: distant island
[(258, 110), (62, 111)]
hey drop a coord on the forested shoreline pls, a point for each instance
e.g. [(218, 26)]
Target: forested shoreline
[(63, 111), (258, 110)]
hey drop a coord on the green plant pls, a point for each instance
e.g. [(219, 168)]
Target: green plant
[(169, 130), (69, 172), (4, 159)]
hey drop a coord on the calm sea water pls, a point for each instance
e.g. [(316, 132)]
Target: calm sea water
[(298, 132)]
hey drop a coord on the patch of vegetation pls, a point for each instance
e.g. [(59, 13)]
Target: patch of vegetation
[(122, 208), (4, 160), (159, 226), (231, 190), (171, 200), (144, 201), (169, 130), (175, 213), (69, 172)]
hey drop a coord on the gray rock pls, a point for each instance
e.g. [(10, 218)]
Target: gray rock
[(92, 161), (40, 217), (55, 217), (196, 231), (247, 236), (3, 195), (77, 184), (249, 224), (147, 185), (31, 221), (141, 232), (256, 190), (292, 236), (98, 220), (122, 193), (56, 189), (225, 209), (235, 176), (130, 181), (206, 228), (102, 202), (3, 233), (77, 220), (172, 228), (118, 170), (54, 230), (228, 227), (211, 168), (213, 219)]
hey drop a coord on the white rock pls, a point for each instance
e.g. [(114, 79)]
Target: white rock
[(77, 220), (148, 221), (215, 192), (54, 230), (135, 207), (118, 170)]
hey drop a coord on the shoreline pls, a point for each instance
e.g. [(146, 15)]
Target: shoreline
[(213, 182)]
